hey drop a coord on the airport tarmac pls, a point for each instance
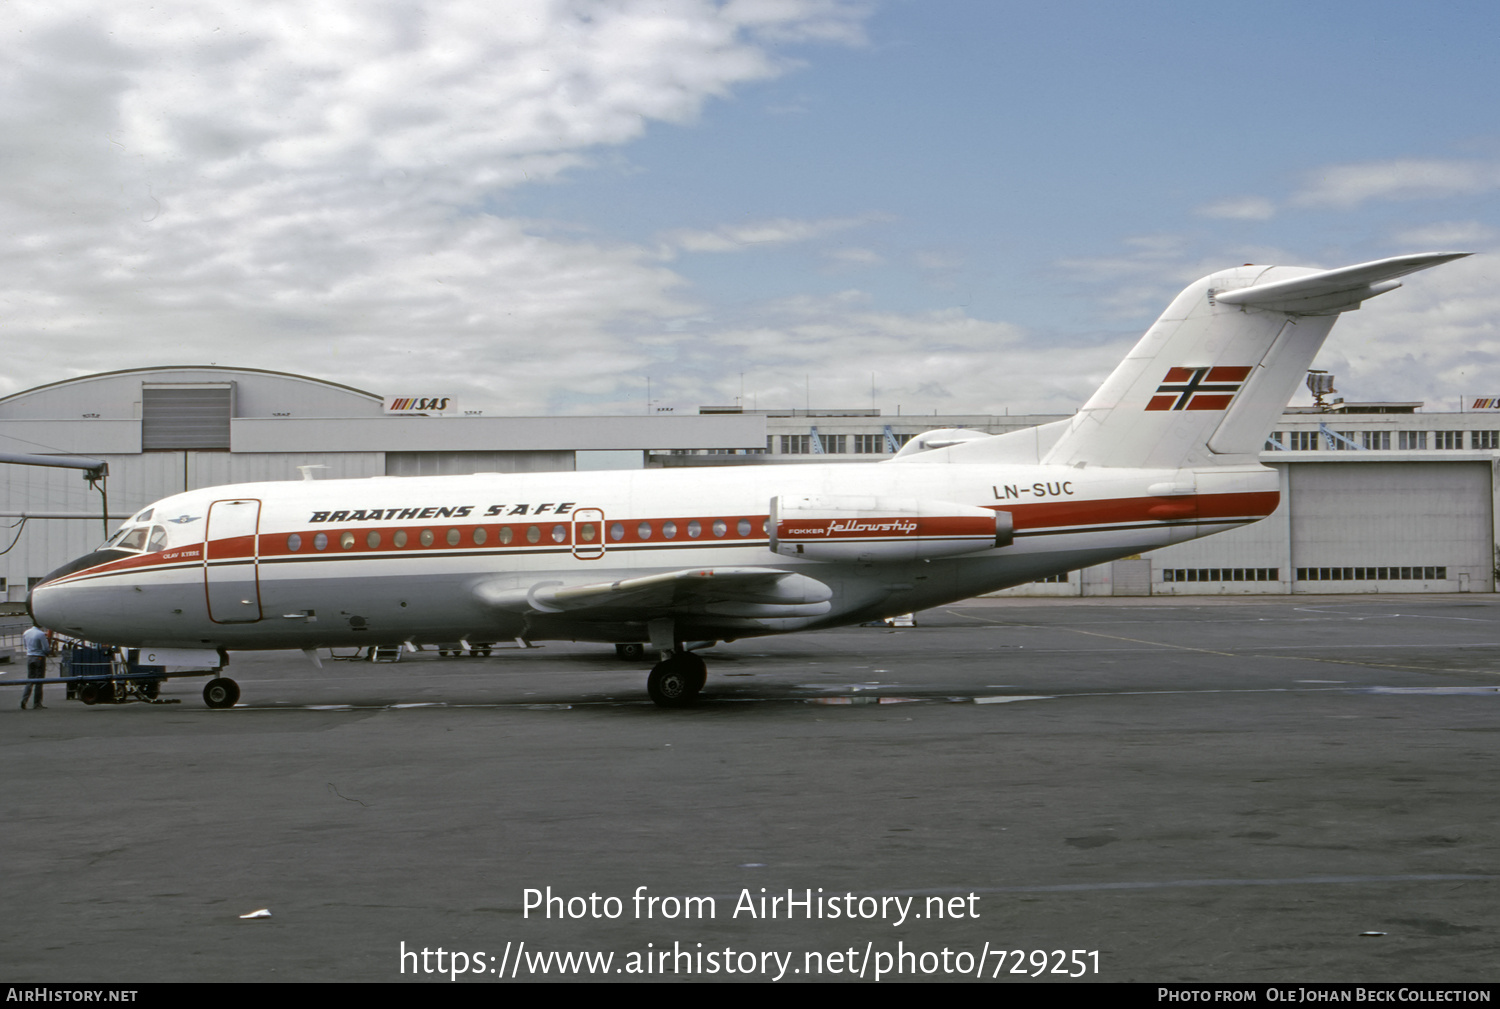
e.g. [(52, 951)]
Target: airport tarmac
[(1260, 789)]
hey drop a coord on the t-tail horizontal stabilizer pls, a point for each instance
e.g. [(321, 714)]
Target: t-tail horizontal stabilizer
[(1208, 381)]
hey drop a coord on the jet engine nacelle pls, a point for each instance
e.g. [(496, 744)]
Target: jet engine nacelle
[(833, 527)]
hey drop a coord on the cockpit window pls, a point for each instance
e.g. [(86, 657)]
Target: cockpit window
[(144, 516), (134, 540)]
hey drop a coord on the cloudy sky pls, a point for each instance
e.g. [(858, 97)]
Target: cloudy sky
[(540, 205)]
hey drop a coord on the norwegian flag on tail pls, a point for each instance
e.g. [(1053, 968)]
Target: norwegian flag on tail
[(1198, 388)]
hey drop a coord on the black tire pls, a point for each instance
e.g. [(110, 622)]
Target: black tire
[(631, 651), (675, 682), (89, 693), (221, 692), (698, 669), (152, 689)]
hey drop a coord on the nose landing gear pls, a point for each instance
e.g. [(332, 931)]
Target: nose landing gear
[(221, 692)]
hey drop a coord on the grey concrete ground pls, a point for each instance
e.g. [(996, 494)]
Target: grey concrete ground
[(1197, 790)]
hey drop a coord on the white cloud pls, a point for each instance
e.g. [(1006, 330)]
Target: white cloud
[(853, 256), (837, 21), (311, 187), (739, 237), (1347, 186), (1239, 208), (920, 361), (1437, 339)]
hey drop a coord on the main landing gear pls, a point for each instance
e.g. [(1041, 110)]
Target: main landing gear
[(675, 680), (221, 692)]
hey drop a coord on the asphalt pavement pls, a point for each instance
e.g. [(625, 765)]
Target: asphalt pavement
[(1275, 789)]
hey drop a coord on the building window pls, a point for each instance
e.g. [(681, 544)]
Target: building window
[(1428, 573), (835, 444), (1411, 440), (1304, 441), (869, 444), (1484, 439), (1052, 580), (1376, 439), (1447, 439), (795, 444), (1273, 441), (1221, 574)]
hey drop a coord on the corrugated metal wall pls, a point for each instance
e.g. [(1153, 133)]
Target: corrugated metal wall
[(464, 463)]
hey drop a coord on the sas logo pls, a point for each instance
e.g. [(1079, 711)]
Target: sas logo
[(420, 404), (1198, 388), (1487, 403)]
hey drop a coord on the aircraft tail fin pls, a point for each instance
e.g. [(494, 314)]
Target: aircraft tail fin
[(1207, 382)]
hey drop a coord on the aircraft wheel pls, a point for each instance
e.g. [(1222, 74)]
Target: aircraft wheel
[(674, 683), (152, 689), (89, 693), (221, 692), (631, 651)]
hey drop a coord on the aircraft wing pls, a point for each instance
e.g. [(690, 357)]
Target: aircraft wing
[(728, 592)]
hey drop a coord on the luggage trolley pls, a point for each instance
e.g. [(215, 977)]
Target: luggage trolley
[(120, 676)]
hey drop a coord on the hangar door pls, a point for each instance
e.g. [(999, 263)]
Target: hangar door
[(1392, 526)]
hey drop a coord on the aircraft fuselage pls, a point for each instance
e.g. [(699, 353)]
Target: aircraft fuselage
[(341, 563)]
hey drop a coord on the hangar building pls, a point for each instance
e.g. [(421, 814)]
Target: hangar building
[(1375, 497)]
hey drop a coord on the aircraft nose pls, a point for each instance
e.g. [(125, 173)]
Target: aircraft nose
[(45, 601), (45, 609)]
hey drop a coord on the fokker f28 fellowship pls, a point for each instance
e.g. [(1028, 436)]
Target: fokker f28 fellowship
[(1167, 450)]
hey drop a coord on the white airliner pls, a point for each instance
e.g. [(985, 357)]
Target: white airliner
[(1167, 450)]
